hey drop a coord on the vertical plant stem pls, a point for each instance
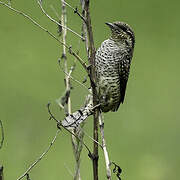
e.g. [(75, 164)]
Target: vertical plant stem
[(76, 143), (77, 147), (93, 80), (106, 156), (64, 33), (95, 150)]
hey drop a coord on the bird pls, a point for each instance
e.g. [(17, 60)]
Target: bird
[(112, 66)]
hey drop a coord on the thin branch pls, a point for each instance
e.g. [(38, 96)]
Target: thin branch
[(76, 11), (70, 71), (92, 138), (77, 149), (1, 173), (39, 159), (32, 20), (64, 33), (2, 134), (92, 76), (52, 116), (84, 30), (56, 22), (49, 33), (90, 33), (117, 170), (74, 140), (78, 58), (89, 152), (69, 75), (28, 177), (106, 156), (59, 125)]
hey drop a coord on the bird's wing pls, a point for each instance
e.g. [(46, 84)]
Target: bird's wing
[(124, 68)]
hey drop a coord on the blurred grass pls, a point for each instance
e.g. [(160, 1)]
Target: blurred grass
[(142, 137)]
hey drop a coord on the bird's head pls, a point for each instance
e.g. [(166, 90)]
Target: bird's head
[(122, 32)]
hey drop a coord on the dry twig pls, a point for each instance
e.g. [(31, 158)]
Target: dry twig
[(92, 76), (2, 134), (117, 170), (59, 125), (56, 22), (90, 48), (75, 80), (48, 32), (64, 33), (39, 159), (76, 11)]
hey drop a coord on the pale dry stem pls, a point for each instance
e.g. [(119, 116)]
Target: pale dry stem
[(106, 156), (74, 140)]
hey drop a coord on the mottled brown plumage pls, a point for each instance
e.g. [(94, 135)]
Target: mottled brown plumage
[(112, 65)]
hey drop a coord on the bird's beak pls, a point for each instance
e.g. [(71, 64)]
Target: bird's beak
[(111, 25)]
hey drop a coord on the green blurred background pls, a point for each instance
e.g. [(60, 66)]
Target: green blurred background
[(142, 137)]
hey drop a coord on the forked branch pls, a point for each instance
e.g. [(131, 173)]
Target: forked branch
[(76, 11), (56, 22), (48, 32)]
